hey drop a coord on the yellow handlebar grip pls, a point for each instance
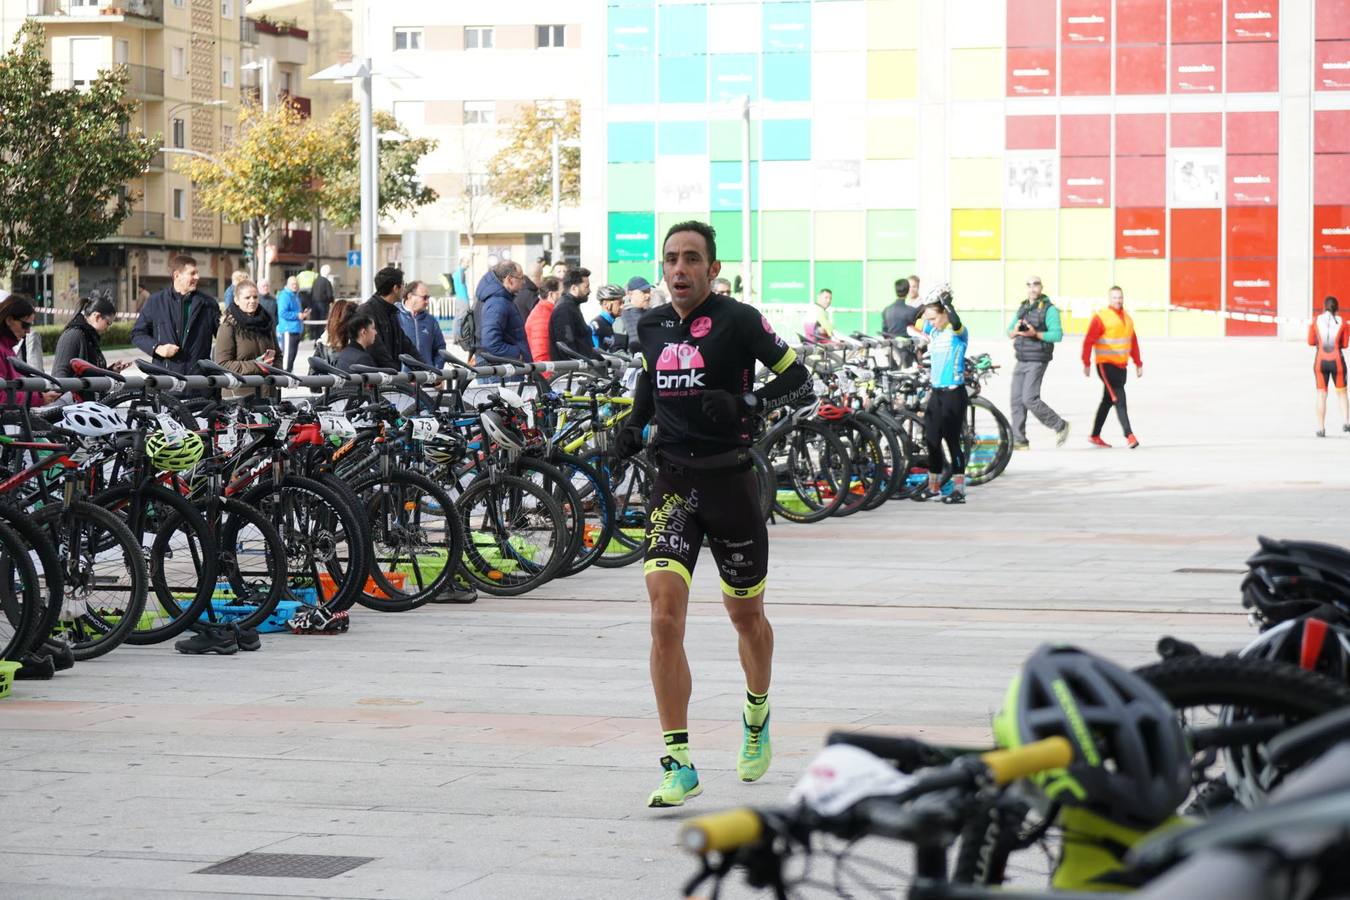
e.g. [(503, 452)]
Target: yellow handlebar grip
[(722, 831), (1010, 765)]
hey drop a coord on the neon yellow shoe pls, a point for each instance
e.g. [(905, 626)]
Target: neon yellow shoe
[(679, 784), (756, 751)]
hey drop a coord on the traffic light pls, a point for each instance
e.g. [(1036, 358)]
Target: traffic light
[(36, 265), (248, 247)]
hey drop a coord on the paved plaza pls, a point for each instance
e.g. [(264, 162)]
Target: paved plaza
[(505, 749)]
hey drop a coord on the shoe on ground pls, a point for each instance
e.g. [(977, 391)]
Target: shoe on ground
[(62, 654), (1062, 435), (314, 620), (1021, 445), (955, 497), (456, 595), (925, 493), (1096, 441), (211, 639), (36, 667), (1346, 427), (1321, 432), (677, 785), (1132, 441), (756, 751), (247, 638)]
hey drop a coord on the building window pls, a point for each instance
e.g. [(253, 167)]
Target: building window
[(476, 183), (179, 3), (226, 136), (178, 62), (478, 37), (480, 112), (227, 71), (286, 82), (179, 133), (407, 39), (179, 204), (549, 36), (227, 9)]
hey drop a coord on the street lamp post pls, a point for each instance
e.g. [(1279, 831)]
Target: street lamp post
[(747, 265), (264, 68)]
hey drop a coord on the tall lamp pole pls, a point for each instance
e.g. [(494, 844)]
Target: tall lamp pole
[(747, 265)]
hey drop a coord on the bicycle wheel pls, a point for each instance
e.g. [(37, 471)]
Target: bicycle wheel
[(597, 507), (48, 565), (416, 541), (561, 489), (515, 534), (895, 462), (987, 439), (252, 563), (104, 576), (866, 461), (764, 481), (630, 487), (20, 595), (812, 471)]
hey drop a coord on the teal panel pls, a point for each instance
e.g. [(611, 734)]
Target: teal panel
[(682, 138), (631, 79), (787, 76), (684, 29), (632, 142), (786, 282), (632, 236), (684, 79), (787, 27), (786, 139), (734, 75), (726, 185), (632, 30)]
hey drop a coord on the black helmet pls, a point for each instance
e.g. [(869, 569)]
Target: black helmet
[(1288, 579), (1131, 763)]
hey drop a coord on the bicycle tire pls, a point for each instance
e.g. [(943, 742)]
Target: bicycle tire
[(249, 590), (560, 487), (630, 485), (866, 463), (492, 561), (835, 456), (20, 597), (763, 482), (895, 461), (421, 496), (41, 546), (970, 440), (597, 503)]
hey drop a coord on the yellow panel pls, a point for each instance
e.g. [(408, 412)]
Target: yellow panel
[(977, 233), (892, 74), (1144, 281), (892, 138), (1018, 272), (1192, 324), (891, 24), (976, 285), (1082, 291), (1032, 233), (976, 183), (977, 74), (1087, 234), (1149, 323), (840, 235)]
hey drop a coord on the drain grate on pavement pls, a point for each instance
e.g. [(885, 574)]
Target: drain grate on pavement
[(286, 865)]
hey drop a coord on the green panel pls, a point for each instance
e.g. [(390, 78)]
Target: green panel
[(983, 325), (848, 321), (881, 277), (728, 228), (632, 236), (787, 235), (892, 234), (724, 141), (845, 281), (620, 272), (666, 219), (786, 282), (632, 185)]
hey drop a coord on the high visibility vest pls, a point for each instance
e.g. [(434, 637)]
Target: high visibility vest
[(1113, 347)]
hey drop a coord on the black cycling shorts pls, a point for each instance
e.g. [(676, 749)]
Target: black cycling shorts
[(688, 504)]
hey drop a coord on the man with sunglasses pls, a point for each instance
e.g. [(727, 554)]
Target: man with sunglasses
[(1034, 330)]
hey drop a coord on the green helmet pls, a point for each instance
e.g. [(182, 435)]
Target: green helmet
[(178, 456)]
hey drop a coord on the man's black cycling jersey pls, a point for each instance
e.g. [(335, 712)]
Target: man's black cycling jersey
[(715, 348)]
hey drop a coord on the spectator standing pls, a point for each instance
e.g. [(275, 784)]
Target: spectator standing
[(1330, 334), (177, 324), (421, 327), (246, 336), (603, 336), (898, 318), (528, 295), (18, 315), (304, 280), (1035, 330), (290, 325), (362, 336), (1111, 334), (321, 298), (335, 334), (237, 277), (83, 337), (503, 330), (382, 308), (536, 326), (637, 302), (820, 321), (560, 272), (267, 299), (721, 286), (567, 325)]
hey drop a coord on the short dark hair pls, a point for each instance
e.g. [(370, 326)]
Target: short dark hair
[(935, 306), (824, 291), (357, 324), (575, 277), (504, 270), (901, 288), (549, 284), (180, 262), (413, 285), (387, 279), (709, 236), (16, 306)]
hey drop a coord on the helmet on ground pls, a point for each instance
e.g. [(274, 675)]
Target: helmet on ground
[(93, 419), (175, 456), (1288, 579), (610, 292), (1131, 763)]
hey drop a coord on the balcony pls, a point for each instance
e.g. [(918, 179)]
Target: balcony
[(301, 104), (134, 13), (141, 224), (143, 82), (281, 29), (156, 164), (296, 242)]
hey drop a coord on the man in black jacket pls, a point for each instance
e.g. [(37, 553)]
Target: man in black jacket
[(320, 302), (527, 297), (392, 342), (178, 324), (567, 325)]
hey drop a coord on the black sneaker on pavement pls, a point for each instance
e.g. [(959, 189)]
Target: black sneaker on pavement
[(211, 639), (62, 654), (456, 595), (246, 638), (36, 667)]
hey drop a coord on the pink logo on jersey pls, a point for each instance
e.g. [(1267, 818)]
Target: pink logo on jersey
[(763, 320), (700, 327), (679, 366)]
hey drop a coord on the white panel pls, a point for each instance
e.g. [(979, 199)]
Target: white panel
[(975, 129), (783, 185), (891, 183), (976, 23), (838, 138), (838, 76), (682, 184), (734, 28), (839, 26), (838, 183), (1031, 179)]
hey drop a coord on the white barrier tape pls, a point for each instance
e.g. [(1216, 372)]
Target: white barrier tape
[(1246, 317), (51, 310)]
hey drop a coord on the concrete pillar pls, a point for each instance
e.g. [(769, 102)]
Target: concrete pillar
[(1296, 154), (934, 218)]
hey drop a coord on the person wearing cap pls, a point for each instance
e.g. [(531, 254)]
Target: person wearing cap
[(637, 302), (602, 326)]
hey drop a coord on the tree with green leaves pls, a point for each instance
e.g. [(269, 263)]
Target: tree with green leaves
[(65, 156), (521, 173), (400, 186)]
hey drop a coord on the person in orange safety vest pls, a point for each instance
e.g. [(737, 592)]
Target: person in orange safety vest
[(1330, 334), (1111, 335)]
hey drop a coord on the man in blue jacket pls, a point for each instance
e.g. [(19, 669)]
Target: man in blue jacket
[(502, 332), (178, 324), (421, 327)]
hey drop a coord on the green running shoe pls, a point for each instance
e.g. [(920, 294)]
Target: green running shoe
[(756, 752), (680, 783)]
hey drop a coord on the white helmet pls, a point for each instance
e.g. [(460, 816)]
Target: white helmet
[(498, 433), (93, 419)]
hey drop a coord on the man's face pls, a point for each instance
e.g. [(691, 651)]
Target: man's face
[(417, 299), (513, 282), (1033, 289), (825, 299), (559, 270), (185, 280), (583, 290), (687, 270), (1116, 299), (913, 289), (264, 286), (613, 307), (640, 299)]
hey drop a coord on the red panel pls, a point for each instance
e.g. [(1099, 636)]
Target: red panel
[(1141, 70), (1197, 233), (1031, 23), (1332, 72), (1235, 328), (1141, 134), (1252, 290), (1086, 22), (1197, 130), (1331, 178), (1253, 68), (1331, 278), (1141, 233), (1085, 135), (1331, 231), (1197, 21), (1254, 132), (1197, 283), (1141, 21), (1333, 19), (1253, 231), (1253, 20), (1331, 131), (1085, 181), (1141, 181), (1253, 180), (1031, 73), (1031, 132), (1086, 71), (1197, 68)]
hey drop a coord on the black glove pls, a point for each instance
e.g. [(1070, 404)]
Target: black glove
[(723, 407), (628, 442)]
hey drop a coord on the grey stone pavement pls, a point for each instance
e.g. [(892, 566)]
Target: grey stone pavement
[(504, 750)]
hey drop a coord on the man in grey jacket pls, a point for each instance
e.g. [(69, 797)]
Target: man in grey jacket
[(1035, 330), (635, 303)]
